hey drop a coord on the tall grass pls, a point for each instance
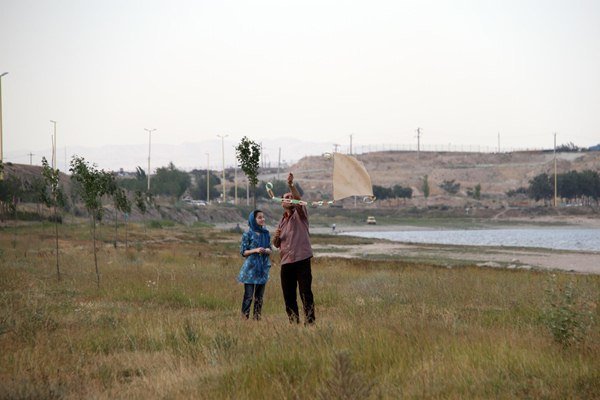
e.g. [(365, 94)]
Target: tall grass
[(165, 323)]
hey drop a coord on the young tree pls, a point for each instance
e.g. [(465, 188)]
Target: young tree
[(94, 184), (140, 203), (248, 156), (425, 186), (52, 199), (475, 192), (121, 203), (125, 206)]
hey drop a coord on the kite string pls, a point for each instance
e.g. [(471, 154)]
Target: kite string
[(269, 187)]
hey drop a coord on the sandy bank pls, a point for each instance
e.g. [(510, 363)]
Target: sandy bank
[(450, 255)]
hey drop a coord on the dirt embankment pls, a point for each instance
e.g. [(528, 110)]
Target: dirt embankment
[(496, 173)]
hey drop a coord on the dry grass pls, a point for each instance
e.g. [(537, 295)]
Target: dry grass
[(165, 324)]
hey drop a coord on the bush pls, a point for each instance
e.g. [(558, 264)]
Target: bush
[(156, 224), (568, 315)]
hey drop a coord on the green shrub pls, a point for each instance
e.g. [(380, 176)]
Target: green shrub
[(159, 224), (568, 315)]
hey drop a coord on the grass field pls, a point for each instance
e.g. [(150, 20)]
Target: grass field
[(165, 323)]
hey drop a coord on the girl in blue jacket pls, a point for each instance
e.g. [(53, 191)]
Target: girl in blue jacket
[(254, 274)]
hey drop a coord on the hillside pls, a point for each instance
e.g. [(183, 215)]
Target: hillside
[(496, 173)]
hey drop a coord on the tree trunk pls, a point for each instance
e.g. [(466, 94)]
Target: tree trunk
[(95, 256), (116, 223), (56, 235), (14, 243), (254, 196)]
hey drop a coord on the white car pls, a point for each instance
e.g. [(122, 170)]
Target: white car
[(196, 203)]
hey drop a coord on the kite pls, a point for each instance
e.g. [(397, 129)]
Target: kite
[(350, 178)]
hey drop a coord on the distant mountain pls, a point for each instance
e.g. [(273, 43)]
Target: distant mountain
[(185, 156)]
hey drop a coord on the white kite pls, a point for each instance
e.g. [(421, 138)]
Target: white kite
[(350, 178)]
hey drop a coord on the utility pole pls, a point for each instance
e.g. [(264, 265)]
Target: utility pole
[(149, 151), (1, 151), (223, 156), (498, 142), (31, 158), (418, 142), (278, 163), (350, 144), (54, 146), (207, 178), (555, 179)]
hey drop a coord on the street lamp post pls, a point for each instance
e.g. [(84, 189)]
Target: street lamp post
[(54, 146), (149, 149), (1, 152), (223, 156)]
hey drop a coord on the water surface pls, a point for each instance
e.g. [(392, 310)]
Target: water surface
[(583, 239)]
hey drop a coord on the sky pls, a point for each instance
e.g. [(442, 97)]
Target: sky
[(465, 72)]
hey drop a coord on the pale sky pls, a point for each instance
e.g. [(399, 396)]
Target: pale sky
[(463, 71)]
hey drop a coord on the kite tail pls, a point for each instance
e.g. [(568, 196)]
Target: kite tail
[(269, 187)]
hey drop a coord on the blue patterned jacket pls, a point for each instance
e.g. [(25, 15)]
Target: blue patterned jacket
[(256, 267)]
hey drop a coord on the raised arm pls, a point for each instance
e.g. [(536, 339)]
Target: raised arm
[(293, 189), (296, 195)]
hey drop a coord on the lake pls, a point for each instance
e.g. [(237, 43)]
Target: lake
[(583, 239)]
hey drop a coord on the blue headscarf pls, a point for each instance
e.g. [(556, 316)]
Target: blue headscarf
[(264, 239)]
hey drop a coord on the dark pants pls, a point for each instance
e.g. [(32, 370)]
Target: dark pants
[(253, 290), (294, 275)]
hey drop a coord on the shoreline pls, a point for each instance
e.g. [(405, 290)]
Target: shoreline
[(454, 255), (586, 262), (464, 224)]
